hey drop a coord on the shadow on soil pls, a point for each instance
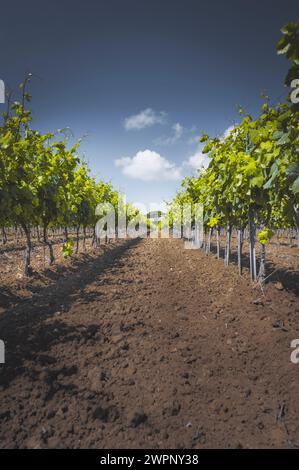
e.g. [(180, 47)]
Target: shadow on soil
[(23, 328), (288, 278)]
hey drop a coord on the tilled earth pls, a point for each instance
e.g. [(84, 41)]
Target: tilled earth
[(150, 345)]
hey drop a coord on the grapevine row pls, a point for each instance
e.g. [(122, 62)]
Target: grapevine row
[(252, 179), (44, 184)]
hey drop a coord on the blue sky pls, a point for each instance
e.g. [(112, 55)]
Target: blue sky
[(142, 79)]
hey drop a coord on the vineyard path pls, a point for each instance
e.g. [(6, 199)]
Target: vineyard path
[(150, 345)]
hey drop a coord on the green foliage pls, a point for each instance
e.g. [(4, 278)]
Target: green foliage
[(204, 138), (288, 45), (255, 168), (43, 180), (264, 236), (213, 222), (67, 248)]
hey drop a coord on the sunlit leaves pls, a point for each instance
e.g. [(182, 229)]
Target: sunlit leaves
[(43, 181), (288, 44), (255, 166), (264, 236)]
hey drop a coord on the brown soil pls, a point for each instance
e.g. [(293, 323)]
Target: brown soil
[(149, 345)]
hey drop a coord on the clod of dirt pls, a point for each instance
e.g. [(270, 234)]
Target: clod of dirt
[(107, 415), (138, 417), (173, 409), (117, 339), (95, 379)]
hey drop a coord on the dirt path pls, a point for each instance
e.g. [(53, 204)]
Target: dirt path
[(150, 345)]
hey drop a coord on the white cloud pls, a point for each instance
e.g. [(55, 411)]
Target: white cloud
[(146, 118), (147, 165), (198, 160), (227, 132), (177, 132)]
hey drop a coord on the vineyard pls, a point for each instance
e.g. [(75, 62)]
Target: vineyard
[(127, 342), (252, 179), (44, 185), (251, 182)]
